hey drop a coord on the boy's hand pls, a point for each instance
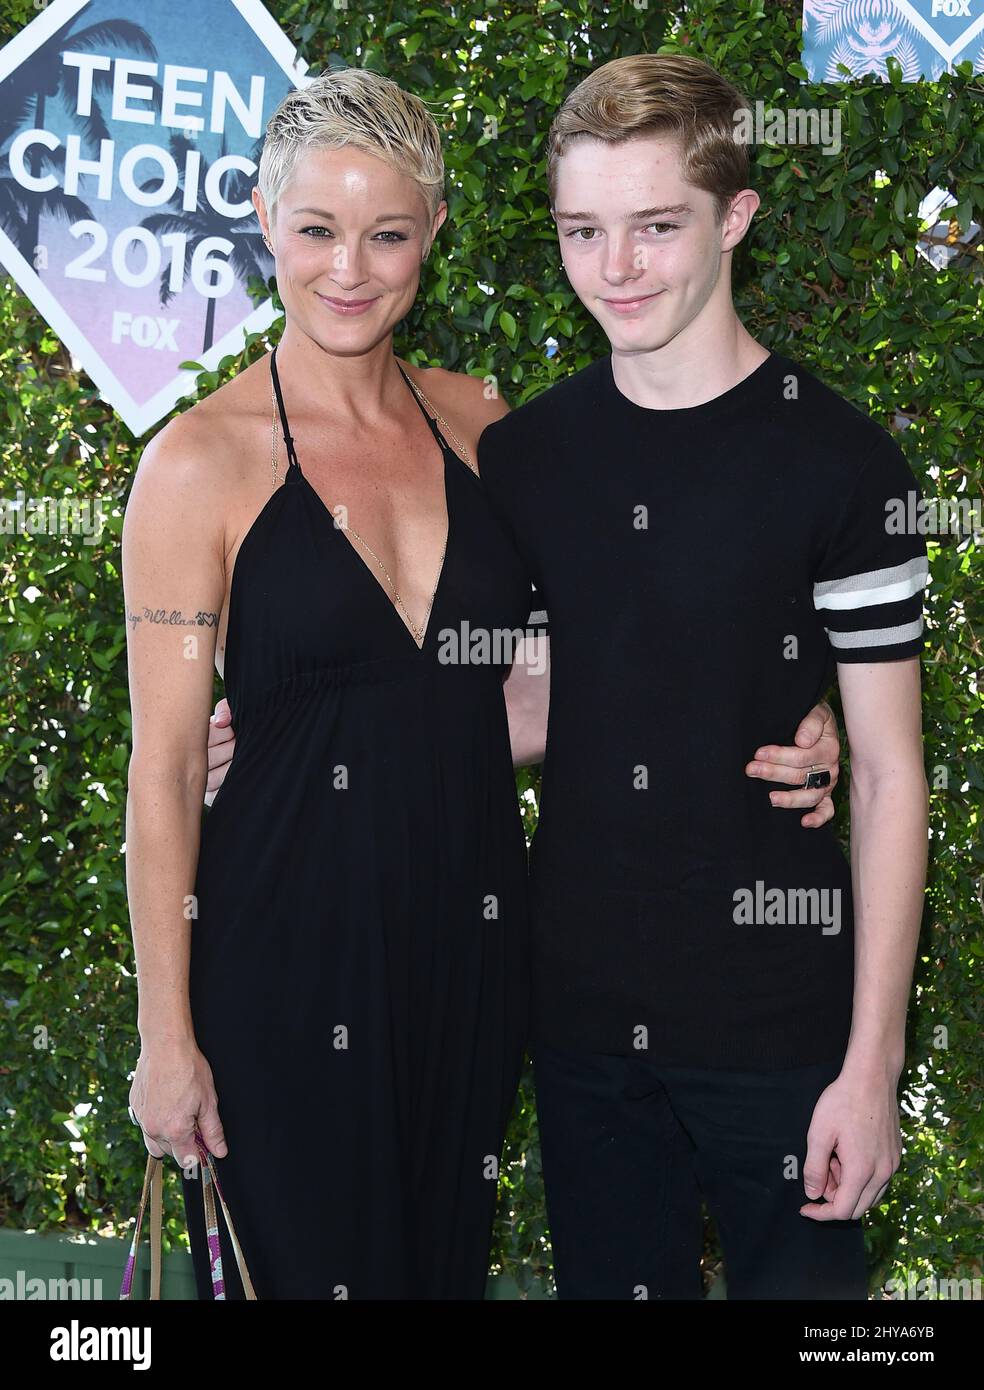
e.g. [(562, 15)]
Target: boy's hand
[(817, 745), (221, 746), (854, 1147)]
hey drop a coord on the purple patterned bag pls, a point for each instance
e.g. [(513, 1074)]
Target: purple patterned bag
[(153, 1186)]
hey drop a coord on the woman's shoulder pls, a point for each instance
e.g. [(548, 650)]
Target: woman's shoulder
[(467, 402), (193, 474), (203, 446)]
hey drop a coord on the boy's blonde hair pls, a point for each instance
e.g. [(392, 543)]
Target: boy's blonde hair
[(352, 106), (660, 94)]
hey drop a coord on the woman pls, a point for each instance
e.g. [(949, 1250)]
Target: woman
[(337, 958)]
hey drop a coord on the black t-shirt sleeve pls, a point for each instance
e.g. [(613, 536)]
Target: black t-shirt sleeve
[(500, 473), (869, 584)]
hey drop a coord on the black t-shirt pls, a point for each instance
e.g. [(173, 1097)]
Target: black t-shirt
[(704, 569)]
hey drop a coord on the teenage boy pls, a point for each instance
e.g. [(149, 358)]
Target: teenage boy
[(718, 1008)]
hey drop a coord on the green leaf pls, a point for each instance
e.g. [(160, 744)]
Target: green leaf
[(963, 213), (472, 185), (539, 320)]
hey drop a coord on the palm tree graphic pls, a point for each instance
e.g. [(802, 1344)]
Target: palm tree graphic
[(249, 256), (24, 96)]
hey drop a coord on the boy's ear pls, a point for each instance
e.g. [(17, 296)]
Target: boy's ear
[(738, 219)]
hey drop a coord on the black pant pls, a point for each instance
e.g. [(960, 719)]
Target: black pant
[(629, 1148)]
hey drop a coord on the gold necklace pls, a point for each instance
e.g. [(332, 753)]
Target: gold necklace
[(273, 436), (418, 632), (463, 452)]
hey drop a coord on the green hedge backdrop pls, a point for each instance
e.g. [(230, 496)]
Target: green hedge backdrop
[(829, 274)]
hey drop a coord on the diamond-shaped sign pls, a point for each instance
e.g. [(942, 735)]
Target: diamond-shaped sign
[(128, 150), (927, 37), (949, 25)]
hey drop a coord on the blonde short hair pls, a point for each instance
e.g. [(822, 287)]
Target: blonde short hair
[(660, 94), (352, 106)]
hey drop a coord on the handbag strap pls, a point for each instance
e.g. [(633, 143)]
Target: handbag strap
[(210, 1177), (153, 1187)]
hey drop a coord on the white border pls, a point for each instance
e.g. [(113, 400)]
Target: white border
[(38, 32), (273, 39)]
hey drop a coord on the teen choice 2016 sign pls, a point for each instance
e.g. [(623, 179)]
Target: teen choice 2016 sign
[(130, 138)]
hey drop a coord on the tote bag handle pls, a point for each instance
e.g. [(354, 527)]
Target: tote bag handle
[(154, 1188)]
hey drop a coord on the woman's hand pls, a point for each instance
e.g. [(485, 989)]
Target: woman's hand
[(172, 1094), (817, 745), (221, 746)]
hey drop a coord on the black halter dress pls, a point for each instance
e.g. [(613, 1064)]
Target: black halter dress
[(359, 972)]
